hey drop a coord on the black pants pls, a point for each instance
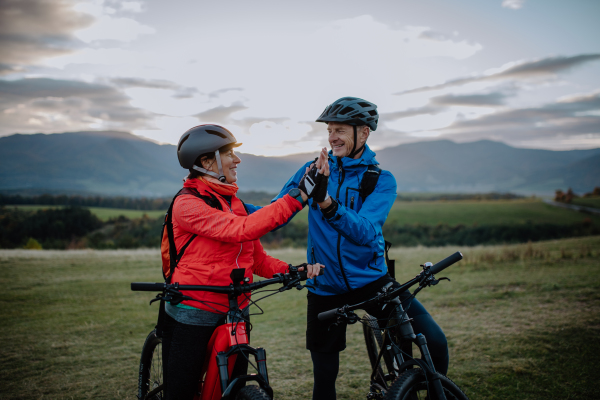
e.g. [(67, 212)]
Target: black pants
[(184, 350), (326, 341)]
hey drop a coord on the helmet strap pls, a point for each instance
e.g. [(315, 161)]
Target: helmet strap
[(355, 151), (220, 176)]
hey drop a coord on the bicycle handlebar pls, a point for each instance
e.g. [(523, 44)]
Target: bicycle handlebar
[(434, 269), (244, 288), (446, 262)]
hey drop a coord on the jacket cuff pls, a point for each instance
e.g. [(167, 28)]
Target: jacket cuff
[(330, 211), (294, 204)]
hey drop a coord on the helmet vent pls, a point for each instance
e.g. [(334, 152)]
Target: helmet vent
[(182, 142), (372, 113), (366, 105), (216, 133)]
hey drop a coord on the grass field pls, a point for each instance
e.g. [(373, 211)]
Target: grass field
[(522, 321), (469, 212), (593, 202), (484, 212), (101, 212)]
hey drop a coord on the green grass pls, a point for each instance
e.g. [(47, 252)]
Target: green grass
[(593, 202), (522, 321), (482, 212), (102, 213)]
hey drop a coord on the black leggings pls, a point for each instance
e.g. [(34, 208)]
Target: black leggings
[(183, 351)]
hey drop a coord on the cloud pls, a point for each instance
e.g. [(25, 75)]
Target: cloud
[(517, 70), (220, 114), (513, 4), (574, 115), (218, 93), (181, 92), (35, 29), (50, 105), (472, 100)]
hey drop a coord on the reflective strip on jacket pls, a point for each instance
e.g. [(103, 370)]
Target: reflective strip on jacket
[(226, 239), (350, 244)]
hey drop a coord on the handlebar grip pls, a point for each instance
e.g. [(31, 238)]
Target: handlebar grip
[(147, 286), (446, 262), (327, 314), (303, 277)]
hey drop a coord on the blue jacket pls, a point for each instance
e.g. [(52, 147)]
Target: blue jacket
[(350, 244)]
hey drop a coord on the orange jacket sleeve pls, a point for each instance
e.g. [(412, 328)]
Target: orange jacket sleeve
[(195, 216), (265, 265)]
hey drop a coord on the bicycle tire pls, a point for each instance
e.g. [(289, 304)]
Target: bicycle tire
[(150, 380), (412, 385), (374, 341), (252, 393)]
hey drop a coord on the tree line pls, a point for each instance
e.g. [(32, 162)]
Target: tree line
[(75, 227)]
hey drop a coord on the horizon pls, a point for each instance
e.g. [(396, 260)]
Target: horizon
[(525, 73)]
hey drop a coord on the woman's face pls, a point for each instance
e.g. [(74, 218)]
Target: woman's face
[(229, 162)]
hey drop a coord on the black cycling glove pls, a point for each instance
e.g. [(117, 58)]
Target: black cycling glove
[(314, 184)]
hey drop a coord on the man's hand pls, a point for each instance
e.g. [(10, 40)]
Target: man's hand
[(312, 270), (322, 165)]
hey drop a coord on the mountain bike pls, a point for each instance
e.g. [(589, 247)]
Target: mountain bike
[(396, 375), (229, 341)]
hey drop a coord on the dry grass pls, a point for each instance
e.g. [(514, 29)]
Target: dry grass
[(522, 322)]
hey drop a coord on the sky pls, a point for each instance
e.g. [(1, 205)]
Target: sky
[(523, 72)]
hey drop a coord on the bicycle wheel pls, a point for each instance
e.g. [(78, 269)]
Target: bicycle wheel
[(252, 393), (150, 381), (411, 385), (374, 341)]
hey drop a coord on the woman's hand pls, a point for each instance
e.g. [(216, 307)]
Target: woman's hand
[(312, 270)]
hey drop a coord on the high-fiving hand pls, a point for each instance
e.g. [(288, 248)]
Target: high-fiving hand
[(314, 181)]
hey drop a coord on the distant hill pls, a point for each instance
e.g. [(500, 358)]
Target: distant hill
[(119, 163)]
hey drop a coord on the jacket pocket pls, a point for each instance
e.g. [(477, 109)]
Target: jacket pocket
[(373, 261)]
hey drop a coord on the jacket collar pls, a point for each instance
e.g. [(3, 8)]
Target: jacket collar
[(367, 158)]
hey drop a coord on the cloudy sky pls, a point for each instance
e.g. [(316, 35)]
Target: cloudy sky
[(524, 72)]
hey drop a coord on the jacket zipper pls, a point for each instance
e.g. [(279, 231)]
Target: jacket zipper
[(241, 244), (352, 203), (340, 181)]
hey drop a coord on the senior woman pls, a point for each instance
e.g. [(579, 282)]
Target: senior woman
[(218, 240)]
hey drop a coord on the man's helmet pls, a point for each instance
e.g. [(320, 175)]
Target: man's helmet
[(351, 111), (203, 139)]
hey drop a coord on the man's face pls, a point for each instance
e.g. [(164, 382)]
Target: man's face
[(341, 138)]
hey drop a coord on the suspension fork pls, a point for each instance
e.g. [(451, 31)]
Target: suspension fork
[(404, 332)]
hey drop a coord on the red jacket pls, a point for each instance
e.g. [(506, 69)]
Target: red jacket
[(226, 239)]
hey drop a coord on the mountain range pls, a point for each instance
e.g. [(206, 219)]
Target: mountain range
[(120, 163)]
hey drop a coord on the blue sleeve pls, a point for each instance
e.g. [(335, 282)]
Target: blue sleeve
[(363, 227), (290, 184), (252, 208)]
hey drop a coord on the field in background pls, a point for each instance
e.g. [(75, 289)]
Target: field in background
[(103, 213), (487, 212), (593, 202), (522, 321)]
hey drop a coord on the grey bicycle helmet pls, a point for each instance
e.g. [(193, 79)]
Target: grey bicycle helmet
[(352, 111), (203, 139)]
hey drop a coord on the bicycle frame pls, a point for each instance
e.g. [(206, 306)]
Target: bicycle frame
[(230, 340), (227, 341), (399, 327)]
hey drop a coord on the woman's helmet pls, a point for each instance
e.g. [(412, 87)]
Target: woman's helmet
[(204, 139), (352, 111)]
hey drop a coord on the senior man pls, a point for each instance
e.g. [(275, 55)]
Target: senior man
[(345, 234)]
